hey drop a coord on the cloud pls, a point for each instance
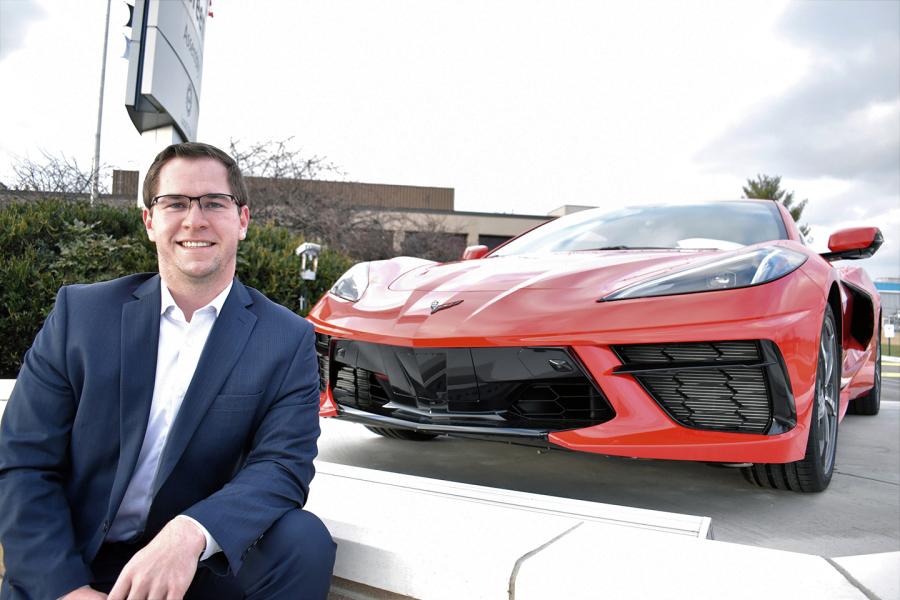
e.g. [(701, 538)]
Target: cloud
[(842, 26), (835, 134), (853, 206), (842, 119), (15, 19)]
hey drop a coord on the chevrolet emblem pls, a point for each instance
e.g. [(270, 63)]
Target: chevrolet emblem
[(436, 306)]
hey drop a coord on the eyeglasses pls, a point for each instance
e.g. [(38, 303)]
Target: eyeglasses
[(177, 204)]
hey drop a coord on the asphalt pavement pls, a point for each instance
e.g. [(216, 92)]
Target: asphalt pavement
[(858, 514)]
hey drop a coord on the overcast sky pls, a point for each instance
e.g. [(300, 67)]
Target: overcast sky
[(519, 106)]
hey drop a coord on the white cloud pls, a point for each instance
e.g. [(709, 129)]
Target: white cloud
[(835, 134), (15, 20)]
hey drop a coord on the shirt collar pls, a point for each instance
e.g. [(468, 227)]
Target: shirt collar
[(167, 301)]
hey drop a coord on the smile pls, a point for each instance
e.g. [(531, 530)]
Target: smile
[(195, 244)]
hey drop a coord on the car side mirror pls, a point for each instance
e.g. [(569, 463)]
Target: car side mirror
[(473, 252), (853, 243)]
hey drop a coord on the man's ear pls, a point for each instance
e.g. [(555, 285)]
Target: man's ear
[(147, 216), (245, 221)]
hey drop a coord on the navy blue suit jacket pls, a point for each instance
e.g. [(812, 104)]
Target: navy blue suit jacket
[(239, 454)]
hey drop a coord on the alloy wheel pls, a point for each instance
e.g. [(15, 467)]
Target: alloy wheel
[(827, 401)]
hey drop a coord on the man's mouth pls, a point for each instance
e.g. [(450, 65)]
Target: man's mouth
[(187, 244)]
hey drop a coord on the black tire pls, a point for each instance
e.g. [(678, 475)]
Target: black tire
[(402, 434), (870, 402), (813, 472)]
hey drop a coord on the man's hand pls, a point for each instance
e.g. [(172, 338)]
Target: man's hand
[(164, 568), (84, 593)]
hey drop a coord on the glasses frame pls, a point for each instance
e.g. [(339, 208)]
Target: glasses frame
[(156, 199)]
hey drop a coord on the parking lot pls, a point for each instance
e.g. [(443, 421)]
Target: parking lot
[(858, 514)]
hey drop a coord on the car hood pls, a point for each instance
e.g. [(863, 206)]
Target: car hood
[(533, 299), (602, 271)]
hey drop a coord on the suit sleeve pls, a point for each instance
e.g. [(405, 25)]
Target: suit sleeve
[(276, 475), (36, 528)]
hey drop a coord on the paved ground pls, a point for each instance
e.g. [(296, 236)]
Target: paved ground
[(858, 514)]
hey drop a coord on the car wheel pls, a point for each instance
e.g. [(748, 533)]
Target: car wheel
[(870, 403), (813, 472), (402, 434)]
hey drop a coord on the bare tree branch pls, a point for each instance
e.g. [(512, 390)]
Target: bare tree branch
[(59, 175), (280, 160), (276, 172)]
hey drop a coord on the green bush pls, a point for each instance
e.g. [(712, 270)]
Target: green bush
[(50, 243), (266, 261)]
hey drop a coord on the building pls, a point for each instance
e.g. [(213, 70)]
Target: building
[(409, 211), (889, 290)]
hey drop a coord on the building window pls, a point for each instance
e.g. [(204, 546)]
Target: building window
[(492, 241), (433, 245)]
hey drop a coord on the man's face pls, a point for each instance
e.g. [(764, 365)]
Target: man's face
[(196, 248)]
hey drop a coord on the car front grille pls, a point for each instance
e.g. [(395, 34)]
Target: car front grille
[(322, 342), (680, 353), (514, 387), (734, 386)]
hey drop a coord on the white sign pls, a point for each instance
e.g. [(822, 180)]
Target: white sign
[(165, 65), (888, 330)]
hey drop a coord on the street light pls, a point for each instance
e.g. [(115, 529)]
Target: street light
[(309, 263)]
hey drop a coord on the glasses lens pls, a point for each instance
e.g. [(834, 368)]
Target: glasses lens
[(216, 202), (173, 203)]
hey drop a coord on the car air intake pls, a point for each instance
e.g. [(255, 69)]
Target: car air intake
[(539, 389), (734, 386)]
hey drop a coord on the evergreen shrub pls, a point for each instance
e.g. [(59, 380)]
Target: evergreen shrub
[(50, 243)]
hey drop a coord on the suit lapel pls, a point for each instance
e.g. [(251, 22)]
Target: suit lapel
[(140, 340), (223, 348)]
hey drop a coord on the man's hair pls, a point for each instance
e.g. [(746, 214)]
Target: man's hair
[(195, 150)]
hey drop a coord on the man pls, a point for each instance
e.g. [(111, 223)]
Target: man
[(164, 421)]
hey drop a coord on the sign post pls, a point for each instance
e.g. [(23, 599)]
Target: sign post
[(165, 68)]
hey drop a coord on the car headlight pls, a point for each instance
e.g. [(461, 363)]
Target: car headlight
[(352, 284), (746, 269)]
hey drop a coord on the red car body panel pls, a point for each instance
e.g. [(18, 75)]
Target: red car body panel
[(520, 301)]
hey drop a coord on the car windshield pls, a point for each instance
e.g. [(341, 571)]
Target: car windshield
[(721, 225)]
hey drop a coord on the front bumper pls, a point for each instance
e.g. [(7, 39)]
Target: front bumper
[(642, 425)]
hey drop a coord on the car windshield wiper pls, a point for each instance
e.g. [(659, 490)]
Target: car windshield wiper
[(628, 248)]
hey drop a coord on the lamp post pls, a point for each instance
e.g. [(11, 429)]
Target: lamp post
[(309, 263)]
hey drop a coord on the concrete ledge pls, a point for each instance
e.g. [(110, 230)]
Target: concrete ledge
[(414, 537), (6, 387), (599, 561), (343, 479), (878, 574), (426, 538)]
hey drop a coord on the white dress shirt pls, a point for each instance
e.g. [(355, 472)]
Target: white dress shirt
[(180, 345)]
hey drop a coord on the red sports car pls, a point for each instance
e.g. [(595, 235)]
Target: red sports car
[(705, 332)]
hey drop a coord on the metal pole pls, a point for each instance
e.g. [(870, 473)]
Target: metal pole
[(95, 170)]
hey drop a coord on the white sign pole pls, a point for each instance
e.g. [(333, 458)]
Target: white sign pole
[(152, 143), (95, 169)]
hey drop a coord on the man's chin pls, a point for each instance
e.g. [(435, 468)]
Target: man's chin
[(200, 273)]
